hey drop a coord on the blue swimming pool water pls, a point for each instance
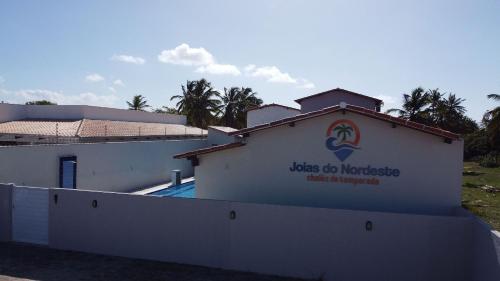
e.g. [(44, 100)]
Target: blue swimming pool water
[(185, 190)]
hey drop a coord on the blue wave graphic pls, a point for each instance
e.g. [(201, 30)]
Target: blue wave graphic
[(330, 144)]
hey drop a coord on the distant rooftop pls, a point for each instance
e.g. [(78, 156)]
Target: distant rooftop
[(223, 129), (87, 130), (337, 90), (13, 112), (271, 105)]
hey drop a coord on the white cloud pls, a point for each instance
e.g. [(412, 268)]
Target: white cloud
[(275, 75), (270, 73), (204, 60), (2, 80), (111, 89), (219, 69), (185, 55), (119, 82), (94, 77), (128, 59), (22, 96), (250, 68), (306, 84)]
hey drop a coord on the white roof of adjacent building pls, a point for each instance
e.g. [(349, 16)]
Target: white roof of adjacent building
[(87, 128), (223, 129)]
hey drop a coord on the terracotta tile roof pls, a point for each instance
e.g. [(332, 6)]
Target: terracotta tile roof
[(87, 128), (41, 127), (223, 129), (351, 108), (208, 150), (271, 105), (355, 109), (337, 90), (107, 128)]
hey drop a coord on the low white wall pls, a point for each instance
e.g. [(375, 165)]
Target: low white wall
[(217, 137), (486, 249), (120, 166), (9, 112), (283, 240), (269, 114), (93, 112)]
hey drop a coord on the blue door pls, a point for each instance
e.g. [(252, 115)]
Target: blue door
[(67, 172)]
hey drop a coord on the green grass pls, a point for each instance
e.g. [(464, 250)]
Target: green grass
[(479, 201)]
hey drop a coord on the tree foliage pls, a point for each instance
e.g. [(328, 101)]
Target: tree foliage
[(166, 109), (491, 121), (40, 102), (235, 104), (199, 102), (437, 109), (138, 103)]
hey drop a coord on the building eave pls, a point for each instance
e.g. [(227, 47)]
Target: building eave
[(354, 109), (273, 105), (207, 150)]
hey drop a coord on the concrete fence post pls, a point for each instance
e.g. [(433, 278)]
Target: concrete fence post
[(6, 212)]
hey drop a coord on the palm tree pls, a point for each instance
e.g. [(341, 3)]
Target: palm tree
[(450, 115), (248, 99), (453, 105), (414, 106), (230, 101), (343, 130), (436, 105), (235, 103), (198, 102), (138, 103), (494, 97), (491, 119)]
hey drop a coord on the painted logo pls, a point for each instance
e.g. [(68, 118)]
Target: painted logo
[(342, 138)]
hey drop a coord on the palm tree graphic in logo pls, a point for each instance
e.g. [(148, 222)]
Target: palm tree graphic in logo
[(342, 138), (344, 130)]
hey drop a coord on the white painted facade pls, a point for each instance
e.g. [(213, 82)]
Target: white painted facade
[(111, 166), (218, 135), (10, 112), (269, 113), (429, 180)]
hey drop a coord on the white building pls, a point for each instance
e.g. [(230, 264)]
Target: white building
[(88, 147), (344, 155), (268, 113)]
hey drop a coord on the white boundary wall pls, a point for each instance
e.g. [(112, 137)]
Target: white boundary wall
[(486, 249), (9, 112), (284, 240), (119, 166)]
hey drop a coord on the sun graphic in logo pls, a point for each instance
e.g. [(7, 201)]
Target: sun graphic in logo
[(342, 138)]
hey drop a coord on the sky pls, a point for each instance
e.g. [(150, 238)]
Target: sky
[(104, 52)]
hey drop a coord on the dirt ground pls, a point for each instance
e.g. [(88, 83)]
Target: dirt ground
[(23, 262)]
